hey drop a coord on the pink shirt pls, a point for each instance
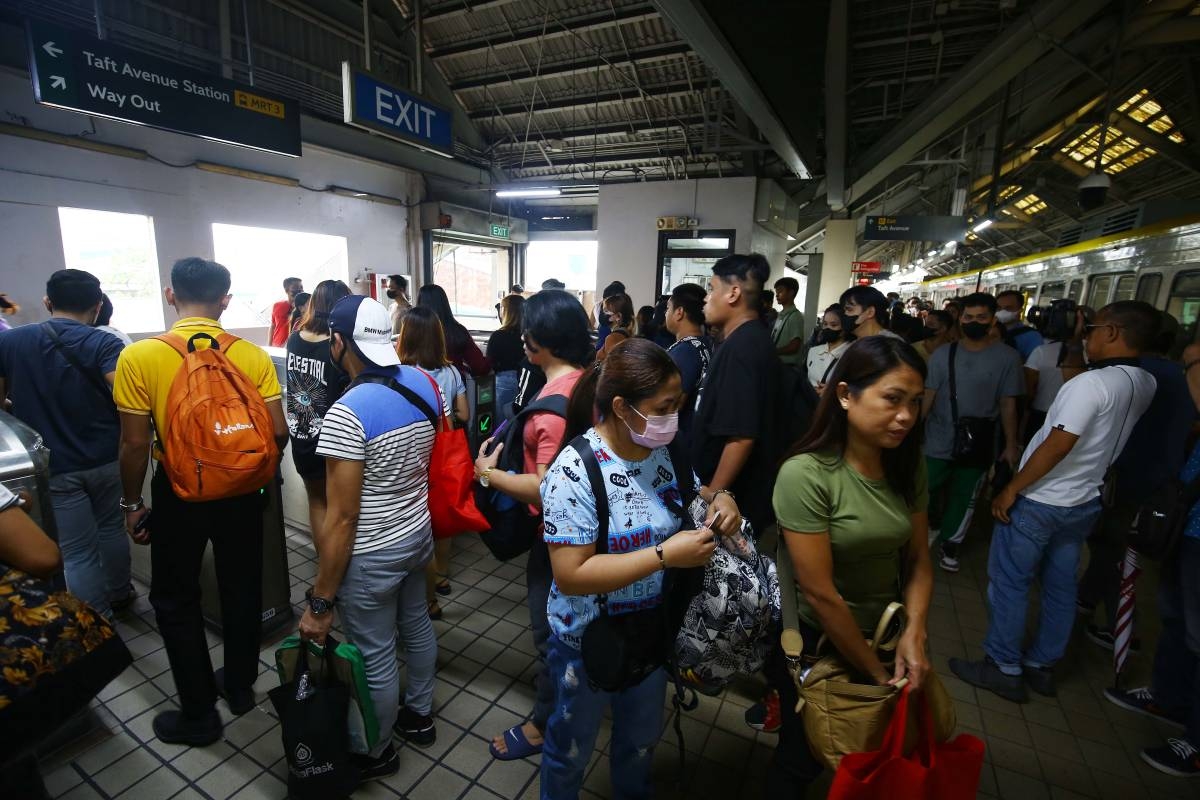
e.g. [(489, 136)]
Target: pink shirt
[(544, 431)]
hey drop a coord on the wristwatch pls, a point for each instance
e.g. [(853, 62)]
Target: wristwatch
[(485, 477), (318, 605)]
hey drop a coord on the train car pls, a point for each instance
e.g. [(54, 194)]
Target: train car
[(1158, 263)]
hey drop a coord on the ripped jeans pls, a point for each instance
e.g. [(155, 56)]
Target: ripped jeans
[(637, 722)]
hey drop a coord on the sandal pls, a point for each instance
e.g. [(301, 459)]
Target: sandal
[(435, 610), (442, 586), (518, 745)]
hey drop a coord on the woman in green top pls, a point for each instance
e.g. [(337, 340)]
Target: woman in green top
[(851, 505)]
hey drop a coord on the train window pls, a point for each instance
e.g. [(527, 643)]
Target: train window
[(260, 258), (1124, 290), (1076, 290), (1184, 303), (118, 249), (1052, 291), (1098, 291), (1147, 288)]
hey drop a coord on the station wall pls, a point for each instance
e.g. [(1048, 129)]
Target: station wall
[(628, 235), (38, 177)]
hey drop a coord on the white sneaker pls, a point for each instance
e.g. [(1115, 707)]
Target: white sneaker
[(948, 563)]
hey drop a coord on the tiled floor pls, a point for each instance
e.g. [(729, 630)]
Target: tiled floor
[(1076, 745)]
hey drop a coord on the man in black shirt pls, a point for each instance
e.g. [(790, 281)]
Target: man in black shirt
[(730, 431)]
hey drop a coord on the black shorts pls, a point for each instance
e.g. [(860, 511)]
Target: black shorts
[(309, 465)]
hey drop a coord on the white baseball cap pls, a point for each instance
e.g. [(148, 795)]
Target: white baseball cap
[(367, 326)]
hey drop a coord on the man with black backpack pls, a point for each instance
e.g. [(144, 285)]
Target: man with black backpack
[(59, 377), (1017, 334), (206, 400)]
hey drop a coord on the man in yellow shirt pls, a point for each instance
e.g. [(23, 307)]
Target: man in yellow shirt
[(180, 530)]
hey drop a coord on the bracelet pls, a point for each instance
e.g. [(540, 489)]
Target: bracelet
[(662, 560), (136, 505), (723, 491)]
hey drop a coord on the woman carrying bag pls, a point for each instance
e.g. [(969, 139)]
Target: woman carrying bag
[(608, 584), (851, 504)]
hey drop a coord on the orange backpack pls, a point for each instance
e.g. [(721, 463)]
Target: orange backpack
[(219, 441)]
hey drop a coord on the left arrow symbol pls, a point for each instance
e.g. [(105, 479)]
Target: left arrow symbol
[(51, 50), (58, 82)]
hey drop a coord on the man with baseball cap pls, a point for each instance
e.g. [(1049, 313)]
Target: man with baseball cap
[(377, 440)]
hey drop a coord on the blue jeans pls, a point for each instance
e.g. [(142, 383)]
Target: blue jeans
[(381, 591), (1043, 541), (538, 577), (1176, 683), (506, 392), (91, 534), (637, 717)]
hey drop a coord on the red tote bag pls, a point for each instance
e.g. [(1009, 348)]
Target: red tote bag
[(932, 771), (451, 473)]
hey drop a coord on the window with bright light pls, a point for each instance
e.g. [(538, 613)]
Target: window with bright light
[(259, 259), (119, 250), (475, 277), (1121, 151), (573, 263), (1143, 108)]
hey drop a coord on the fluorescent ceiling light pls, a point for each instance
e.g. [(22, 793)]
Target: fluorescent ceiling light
[(931, 254), (791, 238), (532, 192), (982, 225)]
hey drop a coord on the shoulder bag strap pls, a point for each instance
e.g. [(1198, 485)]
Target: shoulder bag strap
[(407, 393), (829, 369), (790, 639), (95, 382), (1128, 410), (953, 386), (596, 479)]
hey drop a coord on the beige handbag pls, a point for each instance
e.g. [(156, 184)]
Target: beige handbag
[(841, 715)]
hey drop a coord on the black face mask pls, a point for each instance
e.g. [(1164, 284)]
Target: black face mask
[(975, 330), (391, 293), (828, 336), (852, 321)]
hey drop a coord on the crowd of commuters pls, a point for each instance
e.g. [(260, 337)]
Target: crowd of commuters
[(923, 415)]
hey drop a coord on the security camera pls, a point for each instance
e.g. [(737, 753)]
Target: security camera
[(1093, 191)]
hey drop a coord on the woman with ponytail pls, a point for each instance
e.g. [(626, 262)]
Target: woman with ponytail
[(554, 331), (622, 416)]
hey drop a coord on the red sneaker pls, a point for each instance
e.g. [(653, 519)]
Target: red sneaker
[(765, 716)]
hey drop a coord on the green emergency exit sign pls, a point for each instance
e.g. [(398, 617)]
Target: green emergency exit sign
[(500, 231)]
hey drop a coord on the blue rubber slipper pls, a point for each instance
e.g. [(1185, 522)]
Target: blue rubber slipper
[(518, 746)]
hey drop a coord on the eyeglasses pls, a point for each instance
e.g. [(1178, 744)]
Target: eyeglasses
[(1087, 329)]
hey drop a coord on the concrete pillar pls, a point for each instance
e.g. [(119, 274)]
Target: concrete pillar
[(812, 302), (840, 248)]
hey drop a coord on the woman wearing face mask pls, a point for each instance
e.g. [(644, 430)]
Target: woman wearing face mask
[(635, 395), (851, 503), (938, 325), (832, 341)]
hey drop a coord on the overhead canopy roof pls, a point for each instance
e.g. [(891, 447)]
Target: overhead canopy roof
[(853, 106)]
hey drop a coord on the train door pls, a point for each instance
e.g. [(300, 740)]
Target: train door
[(1030, 292), (1184, 303), (1075, 291), (1098, 289), (1124, 287), (1148, 287)]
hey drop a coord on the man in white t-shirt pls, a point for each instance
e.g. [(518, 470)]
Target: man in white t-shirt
[(1053, 502)]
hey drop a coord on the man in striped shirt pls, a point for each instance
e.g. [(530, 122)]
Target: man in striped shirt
[(377, 440)]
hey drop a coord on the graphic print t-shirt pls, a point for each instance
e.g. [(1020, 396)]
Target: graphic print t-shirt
[(638, 518), (314, 383)]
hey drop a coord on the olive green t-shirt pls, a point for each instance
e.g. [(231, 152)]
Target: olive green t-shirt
[(868, 524)]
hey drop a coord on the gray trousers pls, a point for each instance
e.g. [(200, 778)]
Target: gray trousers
[(383, 592), (91, 534)]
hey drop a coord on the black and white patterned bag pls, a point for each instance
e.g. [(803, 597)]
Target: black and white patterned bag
[(729, 624)]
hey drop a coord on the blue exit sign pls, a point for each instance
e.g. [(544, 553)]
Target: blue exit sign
[(372, 103)]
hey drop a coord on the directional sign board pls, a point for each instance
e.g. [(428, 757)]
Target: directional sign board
[(85, 74), (916, 229), (865, 266), (372, 103)]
